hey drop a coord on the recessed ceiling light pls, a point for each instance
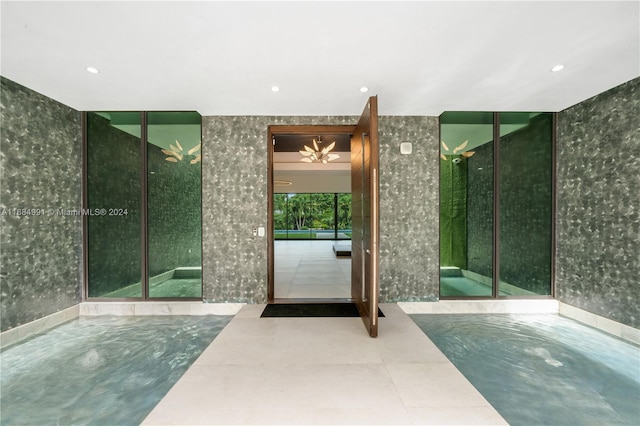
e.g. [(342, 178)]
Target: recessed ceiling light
[(364, 89), (92, 70), (557, 68), (275, 89)]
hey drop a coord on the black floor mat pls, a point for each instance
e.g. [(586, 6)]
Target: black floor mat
[(312, 310)]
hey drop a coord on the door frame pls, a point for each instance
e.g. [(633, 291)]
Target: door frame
[(272, 130)]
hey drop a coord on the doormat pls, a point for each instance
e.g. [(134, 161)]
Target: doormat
[(273, 310)]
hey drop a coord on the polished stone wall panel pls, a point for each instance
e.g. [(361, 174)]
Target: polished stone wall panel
[(113, 182), (480, 211), (526, 186), (234, 201), (40, 163), (409, 218), (598, 205), (174, 219)]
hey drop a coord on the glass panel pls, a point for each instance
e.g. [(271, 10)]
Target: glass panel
[(344, 216), (280, 219), (466, 204), (526, 183), (298, 216), (113, 186), (323, 216), (174, 204), (312, 216)]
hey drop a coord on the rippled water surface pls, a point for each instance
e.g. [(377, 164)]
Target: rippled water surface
[(542, 369), (100, 370)]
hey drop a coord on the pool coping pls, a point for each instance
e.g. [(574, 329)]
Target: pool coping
[(523, 306), (625, 332), (21, 332)]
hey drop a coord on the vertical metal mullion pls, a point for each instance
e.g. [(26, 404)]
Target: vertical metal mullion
[(496, 205), (554, 177), (85, 205), (201, 215), (335, 215), (144, 235)]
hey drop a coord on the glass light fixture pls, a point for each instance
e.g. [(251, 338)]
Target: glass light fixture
[(317, 155)]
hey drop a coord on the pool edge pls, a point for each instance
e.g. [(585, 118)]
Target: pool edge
[(24, 331), (622, 331)]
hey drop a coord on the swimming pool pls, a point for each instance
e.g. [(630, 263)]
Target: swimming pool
[(542, 369), (103, 370)]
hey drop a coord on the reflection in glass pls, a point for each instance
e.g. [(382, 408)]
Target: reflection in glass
[(526, 185), (174, 204), (113, 184), (466, 204), (524, 204)]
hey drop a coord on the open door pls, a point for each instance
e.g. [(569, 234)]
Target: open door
[(365, 234)]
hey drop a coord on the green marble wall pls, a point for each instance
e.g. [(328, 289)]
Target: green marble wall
[(174, 222), (480, 211), (409, 218), (526, 199), (40, 163), (234, 201), (598, 205), (113, 181)]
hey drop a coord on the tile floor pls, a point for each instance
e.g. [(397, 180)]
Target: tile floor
[(310, 269), (322, 371)]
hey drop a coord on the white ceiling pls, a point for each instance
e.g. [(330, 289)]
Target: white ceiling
[(222, 58)]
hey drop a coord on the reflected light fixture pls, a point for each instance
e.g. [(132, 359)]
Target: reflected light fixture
[(364, 89), (175, 153), (458, 152), (92, 70), (317, 155), (557, 68)]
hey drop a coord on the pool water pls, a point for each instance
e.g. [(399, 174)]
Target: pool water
[(542, 369), (100, 370)]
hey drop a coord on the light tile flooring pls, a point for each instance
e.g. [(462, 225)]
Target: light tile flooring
[(322, 371), (310, 269)]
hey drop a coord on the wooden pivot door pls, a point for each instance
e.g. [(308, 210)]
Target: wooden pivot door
[(365, 235)]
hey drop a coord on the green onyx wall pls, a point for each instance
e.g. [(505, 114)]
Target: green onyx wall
[(40, 167), (174, 225), (480, 211), (173, 213), (526, 199), (409, 259), (113, 180), (598, 206), (234, 174)]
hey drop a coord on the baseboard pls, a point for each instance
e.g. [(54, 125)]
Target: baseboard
[(40, 325)]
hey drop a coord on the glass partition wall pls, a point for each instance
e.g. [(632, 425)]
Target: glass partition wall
[(143, 178), (496, 204)]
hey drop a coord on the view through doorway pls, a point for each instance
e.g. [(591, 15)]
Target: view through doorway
[(311, 213), (316, 161)]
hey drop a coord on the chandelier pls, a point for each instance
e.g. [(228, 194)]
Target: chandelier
[(317, 155)]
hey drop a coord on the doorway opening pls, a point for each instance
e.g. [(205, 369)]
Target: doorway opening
[(309, 214), (365, 204)]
